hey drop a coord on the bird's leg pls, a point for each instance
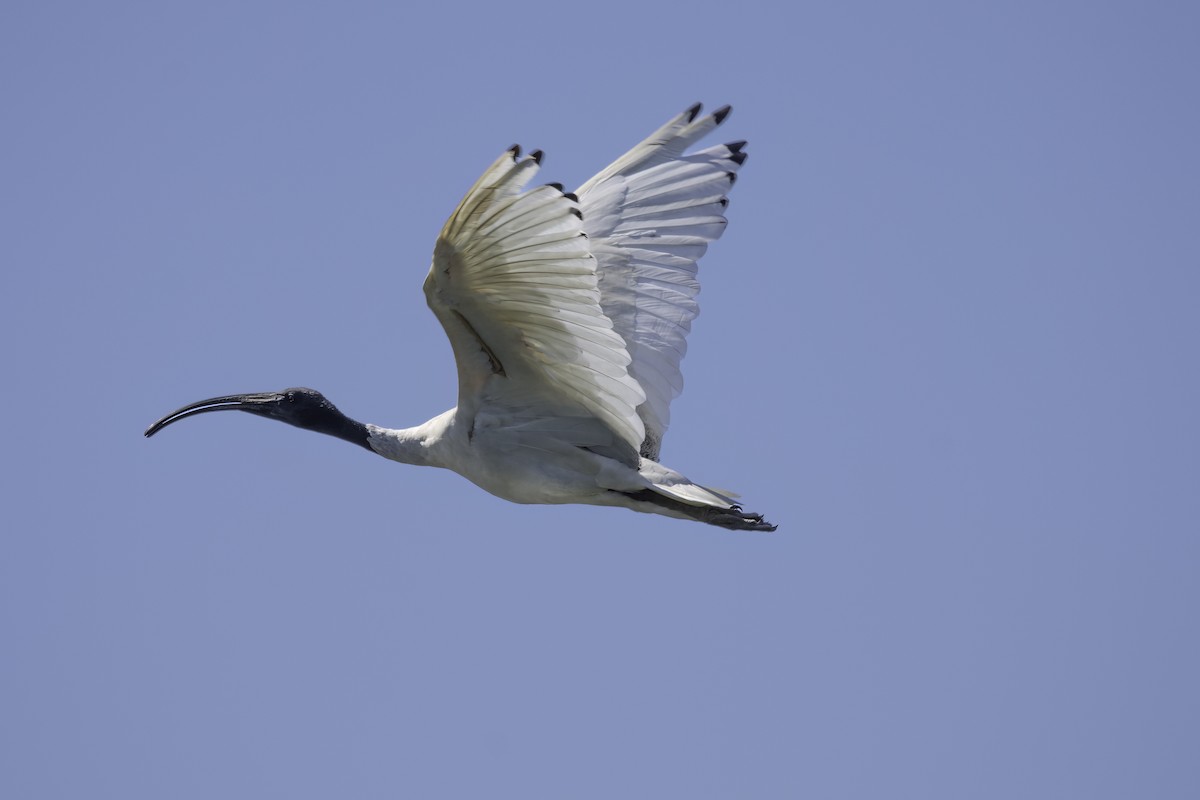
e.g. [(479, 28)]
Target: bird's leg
[(735, 519)]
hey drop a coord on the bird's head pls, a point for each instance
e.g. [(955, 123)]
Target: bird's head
[(304, 408)]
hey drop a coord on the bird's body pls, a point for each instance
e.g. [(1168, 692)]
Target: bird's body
[(517, 465), (567, 315)]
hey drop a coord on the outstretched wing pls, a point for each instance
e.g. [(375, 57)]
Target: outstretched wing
[(650, 217), (514, 284)]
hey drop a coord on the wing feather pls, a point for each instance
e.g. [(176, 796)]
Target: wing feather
[(513, 282), (651, 215), (565, 325)]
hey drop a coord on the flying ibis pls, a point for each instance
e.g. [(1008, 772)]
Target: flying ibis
[(568, 314)]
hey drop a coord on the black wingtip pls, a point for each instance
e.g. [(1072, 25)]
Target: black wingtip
[(721, 113), (515, 151), (693, 111), (536, 155), (571, 196), (736, 147), (732, 177), (576, 212), (558, 187), (738, 158)]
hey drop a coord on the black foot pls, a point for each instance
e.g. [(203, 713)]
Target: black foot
[(736, 519), (732, 518)]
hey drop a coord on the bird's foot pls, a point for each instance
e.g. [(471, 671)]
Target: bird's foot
[(736, 519)]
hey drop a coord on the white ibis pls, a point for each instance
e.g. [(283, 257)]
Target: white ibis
[(568, 315)]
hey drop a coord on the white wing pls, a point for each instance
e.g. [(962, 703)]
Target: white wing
[(650, 217), (514, 284)]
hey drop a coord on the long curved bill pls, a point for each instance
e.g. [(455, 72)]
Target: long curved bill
[(261, 403)]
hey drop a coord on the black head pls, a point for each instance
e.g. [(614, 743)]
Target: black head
[(304, 408)]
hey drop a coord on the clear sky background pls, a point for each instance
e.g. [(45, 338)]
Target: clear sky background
[(949, 343)]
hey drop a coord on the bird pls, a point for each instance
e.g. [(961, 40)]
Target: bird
[(568, 314)]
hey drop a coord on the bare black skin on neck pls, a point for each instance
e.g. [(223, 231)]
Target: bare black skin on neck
[(304, 408)]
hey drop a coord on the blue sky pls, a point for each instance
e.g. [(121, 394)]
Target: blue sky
[(948, 343)]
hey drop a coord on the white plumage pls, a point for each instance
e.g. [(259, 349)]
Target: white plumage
[(568, 316)]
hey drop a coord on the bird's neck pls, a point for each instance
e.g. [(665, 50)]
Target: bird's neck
[(419, 445), (335, 423)]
